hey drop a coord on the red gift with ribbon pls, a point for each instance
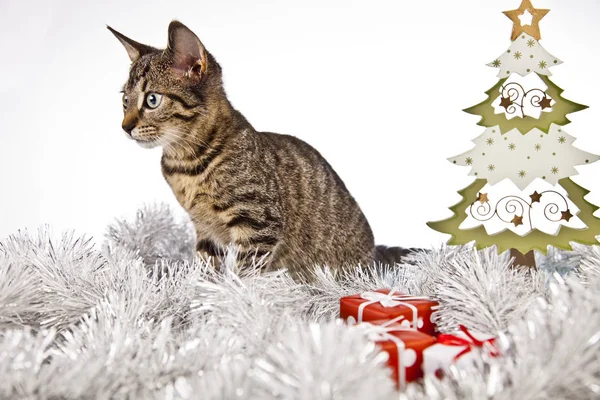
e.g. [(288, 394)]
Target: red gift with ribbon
[(385, 304), (404, 346), (456, 349)]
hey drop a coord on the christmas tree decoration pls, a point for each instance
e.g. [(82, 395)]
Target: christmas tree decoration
[(523, 56), (509, 94), (550, 157), (523, 199)]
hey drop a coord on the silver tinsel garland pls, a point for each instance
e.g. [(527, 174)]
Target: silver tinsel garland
[(478, 289), (141, 318), (155, 234)]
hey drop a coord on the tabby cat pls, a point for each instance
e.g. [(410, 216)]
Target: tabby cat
[(270, 195)]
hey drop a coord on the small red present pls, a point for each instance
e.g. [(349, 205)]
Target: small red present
[(457, 349), (404, 346), (385, 304)]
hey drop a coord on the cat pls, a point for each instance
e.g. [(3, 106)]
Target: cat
[(272, 196)]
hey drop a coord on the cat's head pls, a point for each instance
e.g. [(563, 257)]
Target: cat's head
[(169, 92)]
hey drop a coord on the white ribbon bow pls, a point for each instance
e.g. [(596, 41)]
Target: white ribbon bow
[(388, 301), (381, 332)]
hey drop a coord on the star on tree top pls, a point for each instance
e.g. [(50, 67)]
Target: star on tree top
[(518, 27)]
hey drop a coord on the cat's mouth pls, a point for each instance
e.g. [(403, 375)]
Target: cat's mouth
[(148, 142), (146, 136)]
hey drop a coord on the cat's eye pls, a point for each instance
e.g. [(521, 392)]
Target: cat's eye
[(125, 100), (153, 100)]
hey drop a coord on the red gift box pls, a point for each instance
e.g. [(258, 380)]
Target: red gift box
[(457, 349), (404, 346), (383, 304)]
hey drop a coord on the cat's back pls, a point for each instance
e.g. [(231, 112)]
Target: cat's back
[(289, 148), (300, 164), (320, 213)]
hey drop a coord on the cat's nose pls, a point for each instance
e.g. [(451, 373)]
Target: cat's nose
[(129, 124)]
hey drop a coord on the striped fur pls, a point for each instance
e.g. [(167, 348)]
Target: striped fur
[(266, 193)]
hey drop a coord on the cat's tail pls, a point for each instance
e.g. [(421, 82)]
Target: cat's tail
[(385, 255)]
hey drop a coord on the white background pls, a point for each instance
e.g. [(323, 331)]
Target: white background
[(376, 86)]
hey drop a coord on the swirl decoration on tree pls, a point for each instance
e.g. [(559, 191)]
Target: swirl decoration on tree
[(516, 210), (514, 98)]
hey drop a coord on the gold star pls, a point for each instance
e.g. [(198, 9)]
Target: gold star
[(483, 198), (517, 221), (505, 102), (545, 102), (566, 215), (535, 197), (533, 29)]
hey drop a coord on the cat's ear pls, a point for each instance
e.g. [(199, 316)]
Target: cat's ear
[(189, 55), (134, 49)]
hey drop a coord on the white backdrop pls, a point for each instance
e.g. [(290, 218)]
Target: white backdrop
[(376, 86)]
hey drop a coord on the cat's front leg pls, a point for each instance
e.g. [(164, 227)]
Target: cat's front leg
[(257, 235), (207, 248)]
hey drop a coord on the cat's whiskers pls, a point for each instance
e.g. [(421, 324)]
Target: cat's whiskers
[(168, 147), (169, 139), (163, 143), (186, 136), (183, 138)]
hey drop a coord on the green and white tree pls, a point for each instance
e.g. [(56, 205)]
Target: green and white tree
[(523, 198)]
